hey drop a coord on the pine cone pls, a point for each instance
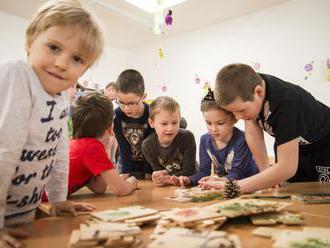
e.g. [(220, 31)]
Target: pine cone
[(232, 189)]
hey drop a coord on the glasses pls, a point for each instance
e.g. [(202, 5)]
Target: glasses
[(130, 104)]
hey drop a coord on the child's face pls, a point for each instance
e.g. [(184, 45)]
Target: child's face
[(166, 125), (111, 93), (54, 55), (219, 124), (131, 104), (247, 110)]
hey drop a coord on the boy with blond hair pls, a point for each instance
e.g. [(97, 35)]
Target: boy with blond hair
[(171, 151), (131, 125), (299, 123), (62, 42)]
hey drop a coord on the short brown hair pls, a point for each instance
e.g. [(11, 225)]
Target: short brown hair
[(92, 115), (69, 13), (130, 81), (235, 80), (165, 103)]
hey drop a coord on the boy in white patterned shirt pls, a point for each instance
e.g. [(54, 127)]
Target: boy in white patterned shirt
[(62, 42)]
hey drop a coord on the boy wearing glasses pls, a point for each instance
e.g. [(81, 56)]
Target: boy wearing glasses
[(131, 125)]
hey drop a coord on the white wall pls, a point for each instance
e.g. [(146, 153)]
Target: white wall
[(112, 62), (283, 39)]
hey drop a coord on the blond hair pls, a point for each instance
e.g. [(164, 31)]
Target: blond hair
[(69, 13), (165, 103)]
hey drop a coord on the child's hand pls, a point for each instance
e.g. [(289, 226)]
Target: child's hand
[(8, 237), (184, 181), (161, 178), (73, 208), (124, 176), (133, 183), (181, 181), (212, 184), (211, 178)]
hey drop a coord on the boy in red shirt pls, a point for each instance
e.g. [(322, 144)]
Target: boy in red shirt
[(90, 166)]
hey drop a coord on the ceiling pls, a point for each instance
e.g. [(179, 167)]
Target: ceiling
[(127, 26)]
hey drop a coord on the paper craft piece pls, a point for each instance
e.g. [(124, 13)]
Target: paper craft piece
[(328, 69), (313, 198), (105, 234), (245, 207), (169, 18), (196, 194), (256, 66), (265, 196), (285, 218), (197, 79), (266, 232), (181, 237), (123, 214), (189, 216), (308, 68), (144, 220), (300, 239), (160, 53)]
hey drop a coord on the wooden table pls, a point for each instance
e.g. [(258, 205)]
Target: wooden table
[(55, 231)]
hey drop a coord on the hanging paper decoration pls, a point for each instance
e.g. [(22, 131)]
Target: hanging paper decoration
[(168, 18), (328, 69), (308, 68), (159, 18), (197, 79), (206, 87), (164, 88), (160, 53), (256, 67)]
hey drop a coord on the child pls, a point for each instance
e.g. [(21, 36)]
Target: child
[(131, 124), (224, 145), (62, 42), (171, 151), (89, 163), (110, 91), (299, 123)]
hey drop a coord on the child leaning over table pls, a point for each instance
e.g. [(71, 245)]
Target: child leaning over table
[(223, 145), (90, 165), (171, 151), (62, 42)]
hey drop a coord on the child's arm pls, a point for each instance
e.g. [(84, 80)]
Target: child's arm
[(117, 184), (15, 111), (284, 169), (98, 185), (57, 186), (255, 139), (204, 164)]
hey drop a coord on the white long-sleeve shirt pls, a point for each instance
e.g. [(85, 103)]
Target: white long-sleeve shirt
[(33, 144)]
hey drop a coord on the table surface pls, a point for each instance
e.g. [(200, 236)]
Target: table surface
[(55, 231)]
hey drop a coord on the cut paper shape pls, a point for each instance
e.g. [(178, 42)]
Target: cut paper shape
[(308, 68), (163, 87), (328, 69), (197, 79), (169, 18), (160, 53), (206, 87), (257, 66), (158, 18)]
